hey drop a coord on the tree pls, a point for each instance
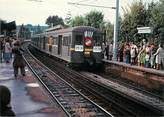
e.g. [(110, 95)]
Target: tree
[(94, 19), (109, 31), (139, 15), (157, 20), (78, 21), (134, 18), (54, 20)]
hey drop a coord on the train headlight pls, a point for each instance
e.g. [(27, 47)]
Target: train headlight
[(88, 41), (87, 54)]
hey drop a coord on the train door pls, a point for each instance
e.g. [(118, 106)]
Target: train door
[(59, 44)]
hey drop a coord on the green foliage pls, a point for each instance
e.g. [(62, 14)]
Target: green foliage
[(139, 15), (157, 19), (54, 20), (109, 31), (136, 17), (78, 21), (94, 19)]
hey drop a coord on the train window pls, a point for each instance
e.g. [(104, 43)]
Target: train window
[(55, 41), (51, 41), (97, 40), (79, 40), (65, 41)]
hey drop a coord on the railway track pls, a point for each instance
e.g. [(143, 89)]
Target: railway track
[(72, 101), (111, 100), (132, 85)]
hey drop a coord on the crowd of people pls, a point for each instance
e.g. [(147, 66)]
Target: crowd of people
[(144, 55), (11, 48)]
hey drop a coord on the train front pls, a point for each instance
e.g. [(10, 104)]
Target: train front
[(88, 47), (92, 48)]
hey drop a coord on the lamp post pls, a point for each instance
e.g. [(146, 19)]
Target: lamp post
[(115, 47)]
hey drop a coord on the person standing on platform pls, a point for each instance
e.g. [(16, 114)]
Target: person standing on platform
[(13, 42), (103, 49), (133, 53), (5, 98), (110, 51), (142, 53), (152, 59), (18, 59), (159, 57), (148, 56), (7, 51), (1, 49), (107, 52), (127, 54), (121, 52)]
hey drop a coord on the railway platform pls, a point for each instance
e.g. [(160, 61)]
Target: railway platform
[(148, 77), (28, 99)]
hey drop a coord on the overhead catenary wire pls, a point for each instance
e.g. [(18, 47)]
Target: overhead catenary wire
[(81, 4), (85, 1)]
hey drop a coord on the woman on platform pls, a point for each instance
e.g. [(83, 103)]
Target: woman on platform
[(159, 57), (7, 51)]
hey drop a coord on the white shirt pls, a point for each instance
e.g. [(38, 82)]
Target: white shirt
[(159, 55), (132, 53), (132, 50), (7, 47), (110, 49)]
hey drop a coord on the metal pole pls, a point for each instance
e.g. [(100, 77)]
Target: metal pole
[(116, 32)]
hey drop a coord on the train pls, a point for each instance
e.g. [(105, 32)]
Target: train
[(78, 46)]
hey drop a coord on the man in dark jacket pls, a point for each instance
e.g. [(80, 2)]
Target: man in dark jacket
[(18, 59), (5, 98)]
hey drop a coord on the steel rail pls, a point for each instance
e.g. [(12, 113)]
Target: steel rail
[(38, 77), (83, 76), (103, 110)]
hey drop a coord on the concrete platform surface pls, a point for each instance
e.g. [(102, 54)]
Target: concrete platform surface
[(28, 98)]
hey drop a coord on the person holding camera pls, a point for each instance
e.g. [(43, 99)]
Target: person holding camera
[(18, 59)]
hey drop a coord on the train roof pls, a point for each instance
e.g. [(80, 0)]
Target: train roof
[(76, 28), (81, 28), (70, 29)]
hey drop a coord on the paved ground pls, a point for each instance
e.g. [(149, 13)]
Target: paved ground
[(28, 98)]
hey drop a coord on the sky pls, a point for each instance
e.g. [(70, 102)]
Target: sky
[(31, 12)]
